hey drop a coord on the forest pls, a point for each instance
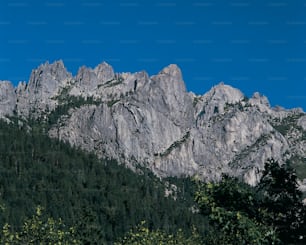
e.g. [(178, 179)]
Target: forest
[(53, 193), (82, 190)]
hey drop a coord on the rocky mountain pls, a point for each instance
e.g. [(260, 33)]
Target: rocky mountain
[(154, 122)]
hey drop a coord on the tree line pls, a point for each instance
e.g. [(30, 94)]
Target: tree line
[(100, 198), (52, 193)]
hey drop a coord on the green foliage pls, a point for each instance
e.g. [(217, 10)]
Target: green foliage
[(229, 193), (282, 200), (113, 82), (67, 103), (228, 106), (112, 102), (88, 230), (100, 198), (237, 106), (174, 145), (270, 213), (283, 126), (40, 230), (299, 164), (195, 101), (234, 227), (141, 235), (237, 163), (245, 98), (232, 209)]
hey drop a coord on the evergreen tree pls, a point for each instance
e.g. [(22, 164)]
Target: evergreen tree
[(99, 197), (40, 229), (231, 206), (281, 201), (142, 235)]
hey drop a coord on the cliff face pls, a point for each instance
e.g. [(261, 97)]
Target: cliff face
[(7, 99), (155, 122), (38, 96)]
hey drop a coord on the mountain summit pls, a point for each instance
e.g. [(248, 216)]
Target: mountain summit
[(154, 122)]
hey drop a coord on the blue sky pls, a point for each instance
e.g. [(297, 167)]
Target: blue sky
[(254, 45)]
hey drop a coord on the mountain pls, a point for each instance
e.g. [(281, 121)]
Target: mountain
[(156, 123), (100, 198)]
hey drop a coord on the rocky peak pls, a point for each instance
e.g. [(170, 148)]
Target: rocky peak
[(90, 82), (56, 71), (47, 78), (172, 70), (261, 102), (154, 121), (222, 92), (101, 74), (259, 97), (133, 82), (104, 73), (45, 83), (170, 76), (5, 85), (216, 100), (170, 80), (86, 79), (21, 87), (168, 87)]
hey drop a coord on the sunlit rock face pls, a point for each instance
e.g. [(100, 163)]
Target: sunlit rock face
[(154, 122), (40, 94), (7, 99)]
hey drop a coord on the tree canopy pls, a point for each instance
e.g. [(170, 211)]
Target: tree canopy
[(81, 199), (282, 201)]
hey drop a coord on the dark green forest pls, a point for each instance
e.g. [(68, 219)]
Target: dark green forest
[(52, 193), (100, 198)]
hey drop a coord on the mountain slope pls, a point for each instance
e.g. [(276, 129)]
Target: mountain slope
[(91, 194), (154, 122)]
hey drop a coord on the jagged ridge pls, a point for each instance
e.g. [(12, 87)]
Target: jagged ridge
[(153, 121)]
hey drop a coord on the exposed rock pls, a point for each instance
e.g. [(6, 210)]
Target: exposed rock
[(7, 99), (104, 73), (302, 122), (88, 81), (156, 123), (217, 100), (45, 84), (173, 132)]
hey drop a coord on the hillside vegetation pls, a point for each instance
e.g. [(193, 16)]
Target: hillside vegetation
[(100, 198)]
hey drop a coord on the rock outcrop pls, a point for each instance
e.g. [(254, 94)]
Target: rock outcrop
[(156, 123), (38, 96), (8, 99)]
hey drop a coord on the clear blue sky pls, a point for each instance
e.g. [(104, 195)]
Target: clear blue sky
[(254, 45)]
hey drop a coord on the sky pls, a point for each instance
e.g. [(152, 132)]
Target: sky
[(253, 45)]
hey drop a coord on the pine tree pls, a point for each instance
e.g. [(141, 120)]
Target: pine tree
[(281, 201)]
